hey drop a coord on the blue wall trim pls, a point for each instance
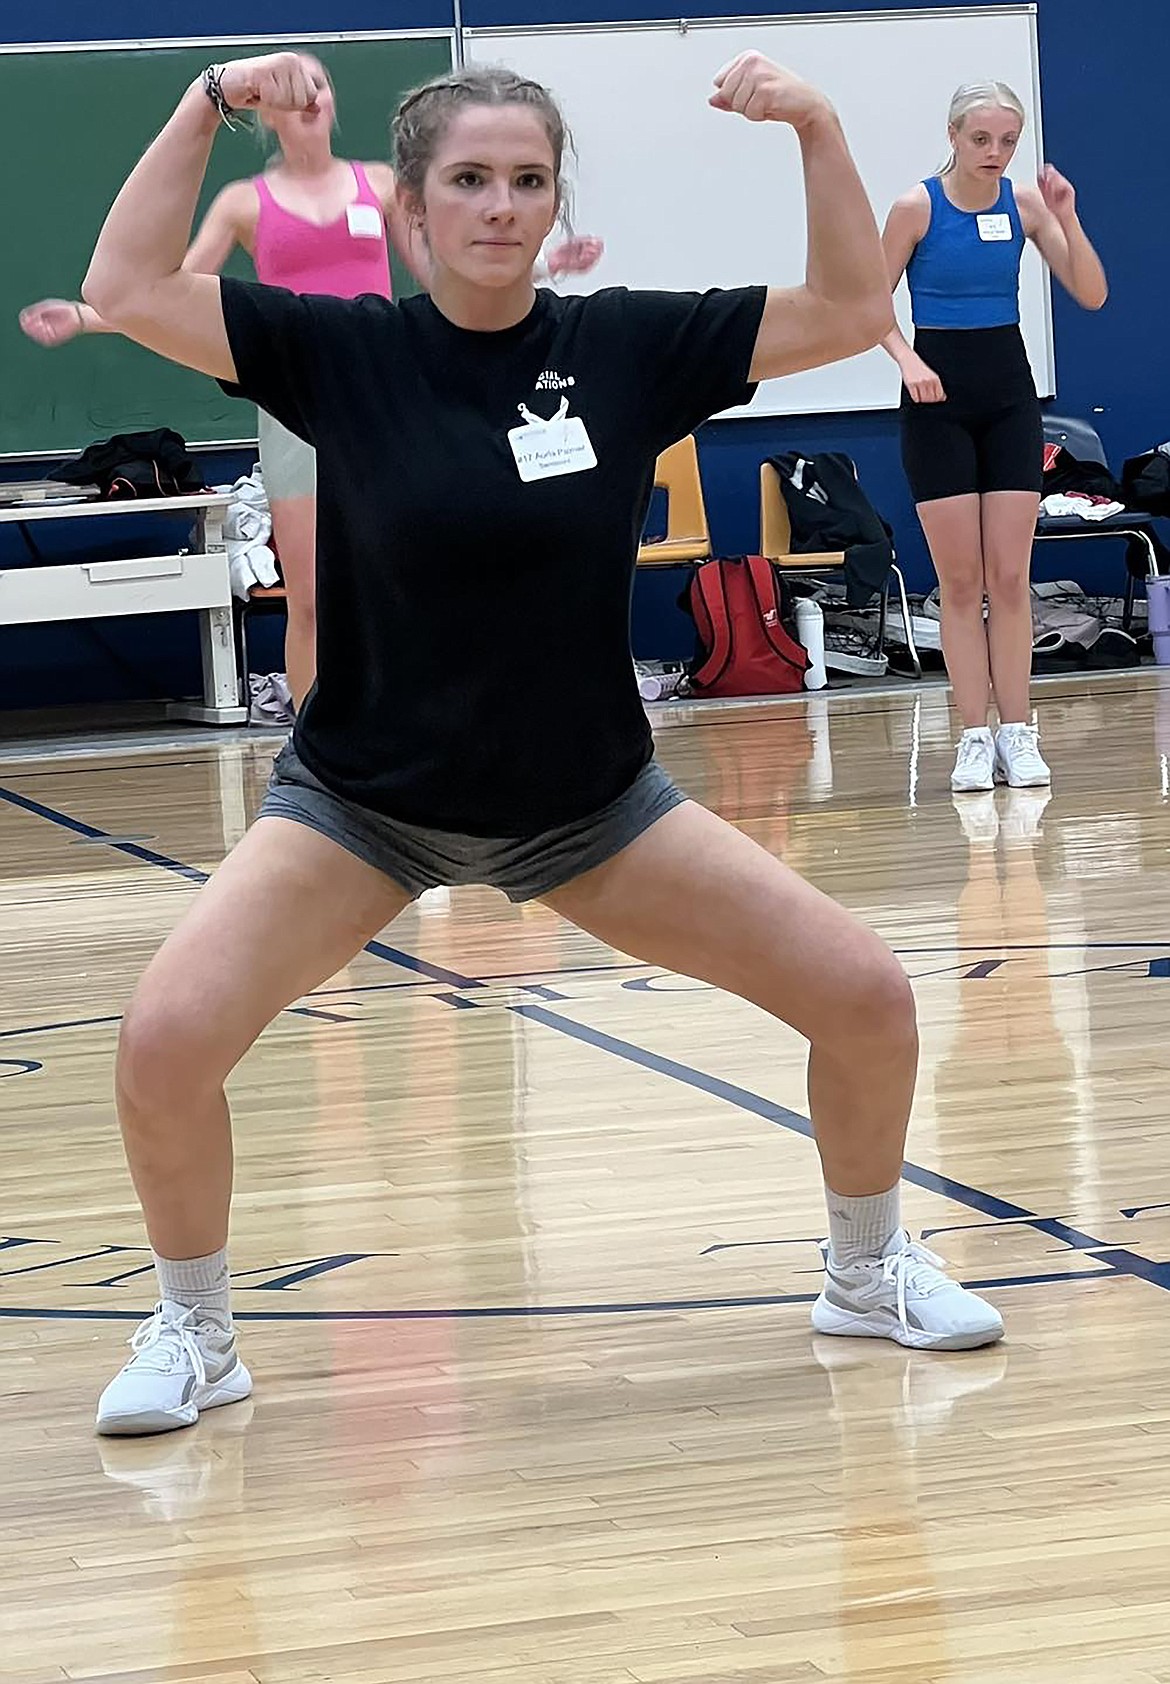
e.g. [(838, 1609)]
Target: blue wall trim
[(140, 20)]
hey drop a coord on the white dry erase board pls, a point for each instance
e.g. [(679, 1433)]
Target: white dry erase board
[(685, 196)]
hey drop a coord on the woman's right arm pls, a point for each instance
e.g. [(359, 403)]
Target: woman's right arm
[(906, 224), (55, 321), (138, 280)]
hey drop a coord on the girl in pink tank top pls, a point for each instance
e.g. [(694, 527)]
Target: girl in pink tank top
[(322, 236), (345, 257), (312, 223)]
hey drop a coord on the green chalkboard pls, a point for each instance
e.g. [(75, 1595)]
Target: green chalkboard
[(80, 119)]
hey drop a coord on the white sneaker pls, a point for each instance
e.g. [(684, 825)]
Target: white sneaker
[(974, 762), (1018, 761), (904, 1296), (184, 1361)]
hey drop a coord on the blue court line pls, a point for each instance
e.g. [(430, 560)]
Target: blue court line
[(1037, 947), (520, 979), (321, 1016), (344, 995), (572, 970), (531, 1312), (148, 856), (164, 763), (437, 973), (1118, 1259), (133, 849), (47, 1028), (324, 994)]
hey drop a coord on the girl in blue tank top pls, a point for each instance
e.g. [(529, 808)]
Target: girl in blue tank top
[(972, 438), (965, 271)]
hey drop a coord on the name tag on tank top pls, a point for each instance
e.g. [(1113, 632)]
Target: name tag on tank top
[(994, 227), (365, 221), (549, 449)]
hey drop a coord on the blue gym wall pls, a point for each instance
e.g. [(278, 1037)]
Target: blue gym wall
[(1103, 71)]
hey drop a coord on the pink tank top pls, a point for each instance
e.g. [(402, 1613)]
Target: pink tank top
[(344, 258)]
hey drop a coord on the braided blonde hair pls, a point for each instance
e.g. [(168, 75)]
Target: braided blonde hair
[(425, 114)]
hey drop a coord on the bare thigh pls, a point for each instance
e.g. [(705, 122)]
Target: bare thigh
[(954, 534), (1008, 521), (695, 895), (286, 909)]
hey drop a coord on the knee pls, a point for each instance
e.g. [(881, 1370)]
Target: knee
[(962, 593), (161, 1059), (876, 1015), (1007, 582)]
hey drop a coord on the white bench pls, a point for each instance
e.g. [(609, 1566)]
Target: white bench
[(194, 578)]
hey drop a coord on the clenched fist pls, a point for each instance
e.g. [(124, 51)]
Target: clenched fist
[(54, 321), (576, 256), (276, 82), (764, 92), (922, 383), (1058, 192)]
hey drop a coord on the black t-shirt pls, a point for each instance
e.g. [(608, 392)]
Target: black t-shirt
[(473, 658)]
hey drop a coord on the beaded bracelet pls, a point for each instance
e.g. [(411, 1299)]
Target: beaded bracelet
[(212, 77)]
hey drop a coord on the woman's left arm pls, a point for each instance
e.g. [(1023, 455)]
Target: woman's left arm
[(844, 306), (1048, 213)]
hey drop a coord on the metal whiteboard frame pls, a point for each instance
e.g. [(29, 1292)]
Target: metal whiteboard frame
[(684, 26), (153, 43)]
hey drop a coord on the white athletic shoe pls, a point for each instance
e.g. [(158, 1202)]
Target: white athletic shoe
[(184, 1361), (1018, 760), (904, 1296), (974, 762)]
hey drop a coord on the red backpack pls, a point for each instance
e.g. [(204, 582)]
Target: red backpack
[(739, 612)]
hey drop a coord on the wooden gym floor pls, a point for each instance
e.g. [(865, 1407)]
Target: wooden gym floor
[(526, 1237)]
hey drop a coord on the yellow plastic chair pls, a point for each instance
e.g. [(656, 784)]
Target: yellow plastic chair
[(688, 537)]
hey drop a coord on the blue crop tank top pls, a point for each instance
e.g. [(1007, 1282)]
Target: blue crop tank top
[(965, 271)]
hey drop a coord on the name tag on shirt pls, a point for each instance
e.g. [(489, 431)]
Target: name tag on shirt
[(365, 221), (995, 227), (549, 449)]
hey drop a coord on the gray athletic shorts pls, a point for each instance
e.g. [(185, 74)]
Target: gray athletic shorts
[(288, 464), (524, 867)]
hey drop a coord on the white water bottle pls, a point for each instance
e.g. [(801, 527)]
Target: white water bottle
[(810, 629), (650, 686)]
